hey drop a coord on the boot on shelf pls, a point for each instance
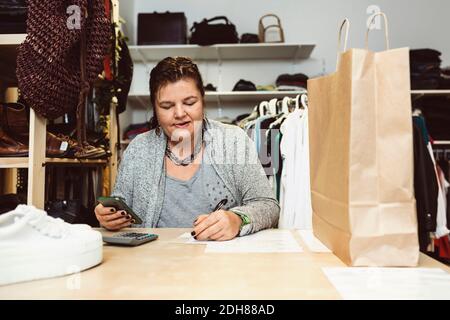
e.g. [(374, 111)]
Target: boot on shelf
[(10, 147), (14, 120)]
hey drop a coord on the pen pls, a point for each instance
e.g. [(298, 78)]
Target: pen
[(220, 204), (218, 207)]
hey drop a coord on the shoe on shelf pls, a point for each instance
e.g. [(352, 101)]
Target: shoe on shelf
[(14, 120), (56, 147), (88, 152), (35, 246), (10, 147)]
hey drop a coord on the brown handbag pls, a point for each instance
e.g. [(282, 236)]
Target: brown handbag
[(263, 28)]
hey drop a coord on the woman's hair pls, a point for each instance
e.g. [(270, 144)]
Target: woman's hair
[(170, 70)]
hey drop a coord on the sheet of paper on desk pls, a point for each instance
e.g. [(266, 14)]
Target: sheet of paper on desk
[(313, 244), (186, 238), (390, 283), (260, 242)]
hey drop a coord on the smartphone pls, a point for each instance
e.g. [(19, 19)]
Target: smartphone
[(119, 204)]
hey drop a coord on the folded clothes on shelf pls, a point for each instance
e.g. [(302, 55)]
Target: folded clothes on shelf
[(297, 79), (210, 87), (444, 81), (425, 70), (290, 88), (437, 116), (269, 87), (226, 120), (135, 129), (244, 85)]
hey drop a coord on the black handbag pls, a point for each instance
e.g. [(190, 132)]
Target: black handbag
[(162, 28), (249, 38), (204, 33)]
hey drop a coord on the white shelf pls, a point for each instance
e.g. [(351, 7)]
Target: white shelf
[(22, 162), (67, 161), (247, 96), (430, 92), (238, 51), (13, 163), (143, 99), (441, 142), (12, 39)]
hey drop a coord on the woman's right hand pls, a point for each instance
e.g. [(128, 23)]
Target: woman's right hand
[(110, 219)]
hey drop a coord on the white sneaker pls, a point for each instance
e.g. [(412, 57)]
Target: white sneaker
[(35, 246)]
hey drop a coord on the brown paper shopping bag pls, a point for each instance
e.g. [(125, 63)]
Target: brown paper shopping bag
[(361, 154)]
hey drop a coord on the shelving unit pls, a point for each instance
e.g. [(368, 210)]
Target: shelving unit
[(442, 142), (36, 174), (37, 160), (12, 39), (8, 53), (241, 51), (291, 53), (8, 163), (143, 99), (420, 93), (430, 92), (222, 52), (125, 142)]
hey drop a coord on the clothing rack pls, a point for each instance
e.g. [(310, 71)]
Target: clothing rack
[(282, 105)]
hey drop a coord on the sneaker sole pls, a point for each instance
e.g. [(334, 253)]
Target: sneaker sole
[(44, 267)]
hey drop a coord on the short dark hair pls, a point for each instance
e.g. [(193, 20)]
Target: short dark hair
[(170, 70)]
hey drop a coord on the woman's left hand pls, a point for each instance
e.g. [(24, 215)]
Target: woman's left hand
[(220, 225)]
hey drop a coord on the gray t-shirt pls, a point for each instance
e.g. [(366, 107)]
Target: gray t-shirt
[(185, 200)]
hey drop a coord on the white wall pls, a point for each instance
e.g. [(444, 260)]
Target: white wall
[(413, 23)]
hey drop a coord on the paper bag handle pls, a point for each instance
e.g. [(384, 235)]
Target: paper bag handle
[(345, 23), (386, 29)]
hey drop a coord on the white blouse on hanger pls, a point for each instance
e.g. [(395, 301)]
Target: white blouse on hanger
[(295, 193)]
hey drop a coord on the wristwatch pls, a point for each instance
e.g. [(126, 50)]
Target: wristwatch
[(245, 225)]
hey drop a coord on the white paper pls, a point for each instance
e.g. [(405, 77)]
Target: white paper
[(390, 283), (186, 238), (260, 242), (313, 244)]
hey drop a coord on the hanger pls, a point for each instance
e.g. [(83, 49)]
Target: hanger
[(279, 106), (298, 102), (273, 107), (285, 105), (417, 113), (263, 107), (304, 100), (284, 112)]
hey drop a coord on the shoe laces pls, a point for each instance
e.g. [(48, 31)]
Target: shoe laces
[(39, 220)]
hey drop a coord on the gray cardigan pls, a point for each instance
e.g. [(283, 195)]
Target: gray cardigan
[(141, 176)]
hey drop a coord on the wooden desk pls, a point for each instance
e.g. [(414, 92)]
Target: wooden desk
[(163, 269)]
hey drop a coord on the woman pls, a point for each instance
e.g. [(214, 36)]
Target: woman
[(177, 173)]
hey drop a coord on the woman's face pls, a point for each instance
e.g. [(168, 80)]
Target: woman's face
[(179, 106)]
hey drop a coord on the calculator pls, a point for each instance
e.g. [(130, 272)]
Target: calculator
[(130, 238)]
